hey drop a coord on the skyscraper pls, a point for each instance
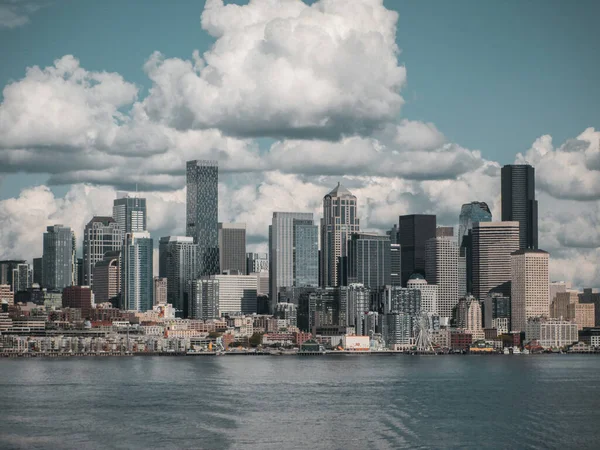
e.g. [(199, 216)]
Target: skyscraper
[(340, 220), (306, 253), (441, 267), (202, 209), (22, 277), (37, 271), (281, 251), (59, 257), (519, 203), (232, 247), (395, 265), (470, 213), (101, 235), (177, 259), (204, 299), (107, 278), (415, 231), (6, 271), (493, 243), (130, 214), (257, 262), (369, 260), (429, 294), (136, 275), (529, 286), (160, 290)]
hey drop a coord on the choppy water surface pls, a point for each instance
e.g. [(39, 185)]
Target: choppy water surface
[(338, 402)]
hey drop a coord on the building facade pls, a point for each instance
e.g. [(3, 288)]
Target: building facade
[(415, 231), (107, 276), (340, 220), (232, 247), (130, 214), (369, 260), (441, 267), (470, 213), (519, 203), (529, 287), (551, 333), (79, 297), (306, 253), (237, 294), (59, 257), (493, 243), (101, 235), (177, 259), (137, 272), (22, 277), (202, 208), (204, 299), (430, 294), (257, 262)]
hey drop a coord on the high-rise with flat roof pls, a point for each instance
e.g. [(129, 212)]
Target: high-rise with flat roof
[(470, 213), (493, 243), (340, 220), (204, 299), (441, 267), (177, 260), (369, 260), (22, 277), (519, 203), (136, 275), (415, 231), (257, 262), (6, 270), (107, 278), (232, 247), (202, 209), (130, 213), (281, 251), (101, 235), (59, 257), (306, 253), (160, 290), (529, 287)]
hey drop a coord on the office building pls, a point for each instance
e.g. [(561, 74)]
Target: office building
[(592, 296), (232, 247), (79, 297), (101, 235), (204, 299), (355, 302), (323, 308), (237, 294), (79, 269), (582, 314), (551, 333), (340, 220), (37, 271), (160, 291), (496, 306), (6, 294), (559, 307), (281, 251), (107, 278), (130, 214), (306, 253), (136, 276), (468, 317), (493, 243), (257, 262), (529, 286), (470, 213), (394, 235), (287, 312), (369, 260), (58, 258), (415, 231), (202, 208), (7, 268), (430, 296), (177, 259), (519, 203), (441, 267), (556, 287), (22, 277), (395, 265)]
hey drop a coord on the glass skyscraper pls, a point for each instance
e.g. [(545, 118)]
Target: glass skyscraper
[(369, 260), (202, 209), (519, 203), (306, 253), (415, 231), (137, 279), (130, 214), (58, 258), (177, 257), (470, 213), (101, 235), (232, 247)]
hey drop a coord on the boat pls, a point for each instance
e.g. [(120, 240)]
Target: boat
[(516, 350), (506, 351)]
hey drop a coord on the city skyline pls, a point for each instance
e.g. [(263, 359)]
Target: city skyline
[(388, 140)]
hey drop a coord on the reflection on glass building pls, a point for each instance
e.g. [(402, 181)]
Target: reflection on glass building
[(306, 253), (137, 280), (202, 208)]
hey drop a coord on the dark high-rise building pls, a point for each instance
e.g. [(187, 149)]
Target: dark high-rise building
[(6, 271), (519, 203), (78, 297), (395, 265), (394, 235), (177, 263), (589, 296), (369, 260), (37, 270), (306, 253), (232, 247), (415, 231), (130, 214), (470, 213), (59, 257), (202, 208), (22, 277), (137, 281)]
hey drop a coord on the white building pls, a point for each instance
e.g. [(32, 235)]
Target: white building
[(429, 294), (441, 269), (237, 293), (101, 235), (502, 325), (550, 332), (529, 286)]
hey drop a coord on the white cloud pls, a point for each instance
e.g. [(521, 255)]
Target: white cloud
[(15, 13), (285, 69)]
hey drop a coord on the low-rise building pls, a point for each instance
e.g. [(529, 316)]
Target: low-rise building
[(551, 333)]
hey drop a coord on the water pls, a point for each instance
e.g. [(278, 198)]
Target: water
[(268, 402)]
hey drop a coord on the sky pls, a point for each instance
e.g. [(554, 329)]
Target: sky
[(413, 105)]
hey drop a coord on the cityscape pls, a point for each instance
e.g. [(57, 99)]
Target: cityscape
[(325, 286)]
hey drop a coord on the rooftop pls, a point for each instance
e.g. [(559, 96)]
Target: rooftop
[(339, 191)]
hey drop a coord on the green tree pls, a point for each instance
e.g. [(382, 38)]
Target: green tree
[(255, 340)]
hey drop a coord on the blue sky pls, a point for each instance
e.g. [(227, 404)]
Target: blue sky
[(492, 76), (499, 78)]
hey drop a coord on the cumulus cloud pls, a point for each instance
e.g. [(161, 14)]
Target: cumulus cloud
[(571, 171), (15, 13), (283, 68)]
